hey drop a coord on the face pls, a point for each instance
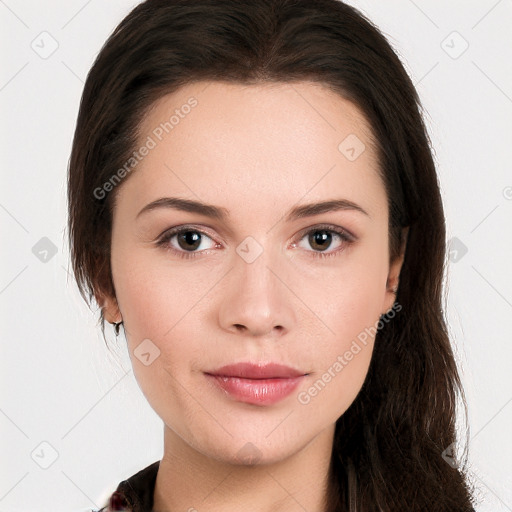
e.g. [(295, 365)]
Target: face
[(257, 277)]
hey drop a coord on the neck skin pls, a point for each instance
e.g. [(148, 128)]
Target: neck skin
[(187, 480)]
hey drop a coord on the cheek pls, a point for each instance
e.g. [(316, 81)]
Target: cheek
[(160, 308), (348, 301), (160, 335), (343, 353), (340, 359), (331, 391), (156, 299)]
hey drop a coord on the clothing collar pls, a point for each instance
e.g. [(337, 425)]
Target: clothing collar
[(135, 494)]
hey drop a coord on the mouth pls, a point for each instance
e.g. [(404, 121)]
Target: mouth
[(258, 384)]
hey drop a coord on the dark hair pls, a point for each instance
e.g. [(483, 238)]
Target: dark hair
[(389, 450)]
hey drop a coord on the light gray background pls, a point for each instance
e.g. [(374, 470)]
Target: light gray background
[(61, 386)]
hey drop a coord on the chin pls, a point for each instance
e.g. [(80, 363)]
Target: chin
[(255, 451)]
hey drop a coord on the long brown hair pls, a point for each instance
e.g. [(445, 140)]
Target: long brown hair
[(391, 445)]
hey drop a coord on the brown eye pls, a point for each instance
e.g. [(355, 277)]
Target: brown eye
[(189, 240), (320, 239)]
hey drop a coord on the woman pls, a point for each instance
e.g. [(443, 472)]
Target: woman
[(253, 198)]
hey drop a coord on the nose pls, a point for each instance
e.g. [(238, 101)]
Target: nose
[(256, 300)]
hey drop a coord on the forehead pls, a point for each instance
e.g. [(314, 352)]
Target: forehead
[(275, 141), (309, 109)]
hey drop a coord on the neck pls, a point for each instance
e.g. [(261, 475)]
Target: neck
[(190, 481)]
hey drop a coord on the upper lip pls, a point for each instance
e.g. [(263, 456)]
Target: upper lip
[(256, 371)]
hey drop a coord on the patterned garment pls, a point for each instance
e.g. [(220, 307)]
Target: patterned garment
[(134, 494)]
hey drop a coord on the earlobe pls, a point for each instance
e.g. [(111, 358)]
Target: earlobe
[(110, 307), (390, 295), (393, 279)]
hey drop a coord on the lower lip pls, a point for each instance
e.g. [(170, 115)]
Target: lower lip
[(257, 391)]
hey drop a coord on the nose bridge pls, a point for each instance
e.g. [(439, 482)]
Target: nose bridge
[(263, 263), (257, 300), (254, 259)]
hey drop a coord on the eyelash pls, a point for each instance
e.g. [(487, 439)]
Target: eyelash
[(345, 236)]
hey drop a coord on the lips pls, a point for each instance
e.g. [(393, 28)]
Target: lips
[(257, 384), (257, 371)]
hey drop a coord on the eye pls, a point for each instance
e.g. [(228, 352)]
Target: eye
[(320, 238), (188, 241)]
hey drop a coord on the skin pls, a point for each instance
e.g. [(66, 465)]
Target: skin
[(257, 151)]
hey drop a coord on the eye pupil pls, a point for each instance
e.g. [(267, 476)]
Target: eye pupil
[(189, 237), (321, 238)]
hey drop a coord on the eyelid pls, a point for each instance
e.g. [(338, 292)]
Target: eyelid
[(163, 240), (195, 227), (176, 230), (328, 227), (165, 237)]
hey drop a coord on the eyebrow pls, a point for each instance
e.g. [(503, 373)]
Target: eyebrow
[(222, 214)]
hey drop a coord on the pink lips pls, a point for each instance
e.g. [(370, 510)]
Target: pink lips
[(256, 384)]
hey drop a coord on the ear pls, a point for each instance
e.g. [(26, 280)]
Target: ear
[(394, 274), (109, 306)]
